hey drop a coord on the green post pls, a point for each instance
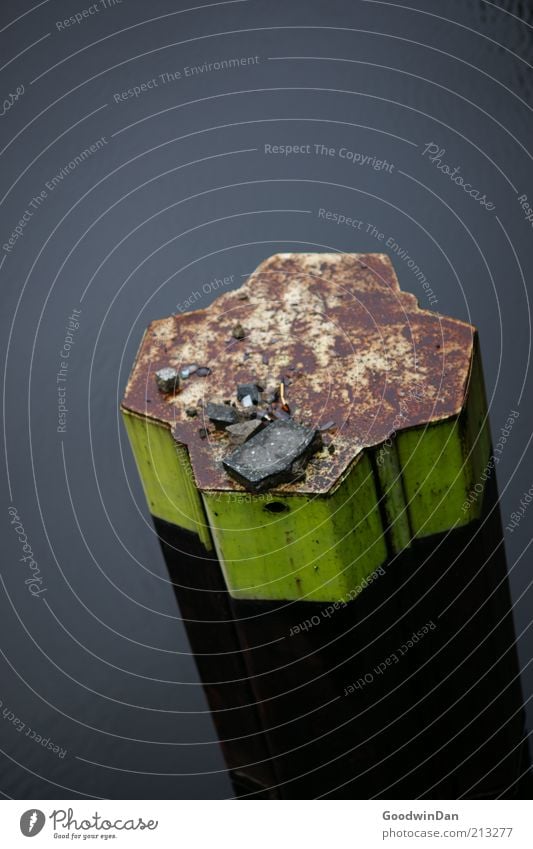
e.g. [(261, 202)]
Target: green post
[(393, 399)]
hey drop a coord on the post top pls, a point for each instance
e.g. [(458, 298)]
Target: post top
[(358, 358)]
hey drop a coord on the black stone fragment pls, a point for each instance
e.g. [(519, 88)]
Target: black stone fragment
[(277, 454), (249, 389), (167, 379), (240, 433), (221, 414), (203, 371), (191, 412)]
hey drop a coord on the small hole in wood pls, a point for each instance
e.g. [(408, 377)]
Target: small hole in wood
[(276, 507)]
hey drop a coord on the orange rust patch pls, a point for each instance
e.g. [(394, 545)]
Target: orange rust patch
[(350, 346)]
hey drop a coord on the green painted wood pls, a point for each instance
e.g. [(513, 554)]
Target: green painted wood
[(317, 549), (167, 476), (320, 548), (393, 500), (441, 463), (476, 426), (435, 476)]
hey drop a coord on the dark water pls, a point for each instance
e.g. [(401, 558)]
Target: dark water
[(179, 192)]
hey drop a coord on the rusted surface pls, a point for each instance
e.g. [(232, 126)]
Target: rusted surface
[(350, 346)]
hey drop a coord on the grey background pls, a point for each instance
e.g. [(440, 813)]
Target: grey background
[(182, 193)]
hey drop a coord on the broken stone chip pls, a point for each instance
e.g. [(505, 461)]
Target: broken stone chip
[(186, 371), (167, 379), (240, 433), (221, 414), (277, 454), (248, 390), (238, 332)]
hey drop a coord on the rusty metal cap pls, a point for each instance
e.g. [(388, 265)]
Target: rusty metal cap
[(347, 345)]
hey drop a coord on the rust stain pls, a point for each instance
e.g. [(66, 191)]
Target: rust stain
[(347, 343)]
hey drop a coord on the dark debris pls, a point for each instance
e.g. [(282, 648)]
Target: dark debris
[(221, 414), (276, 454), (167, 380)]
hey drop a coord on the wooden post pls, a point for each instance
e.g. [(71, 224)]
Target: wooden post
[(358, 592)]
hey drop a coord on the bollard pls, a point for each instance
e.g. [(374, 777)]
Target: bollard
[(307, 469)]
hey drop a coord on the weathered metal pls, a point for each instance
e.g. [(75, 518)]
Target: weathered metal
[(345, 342)]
